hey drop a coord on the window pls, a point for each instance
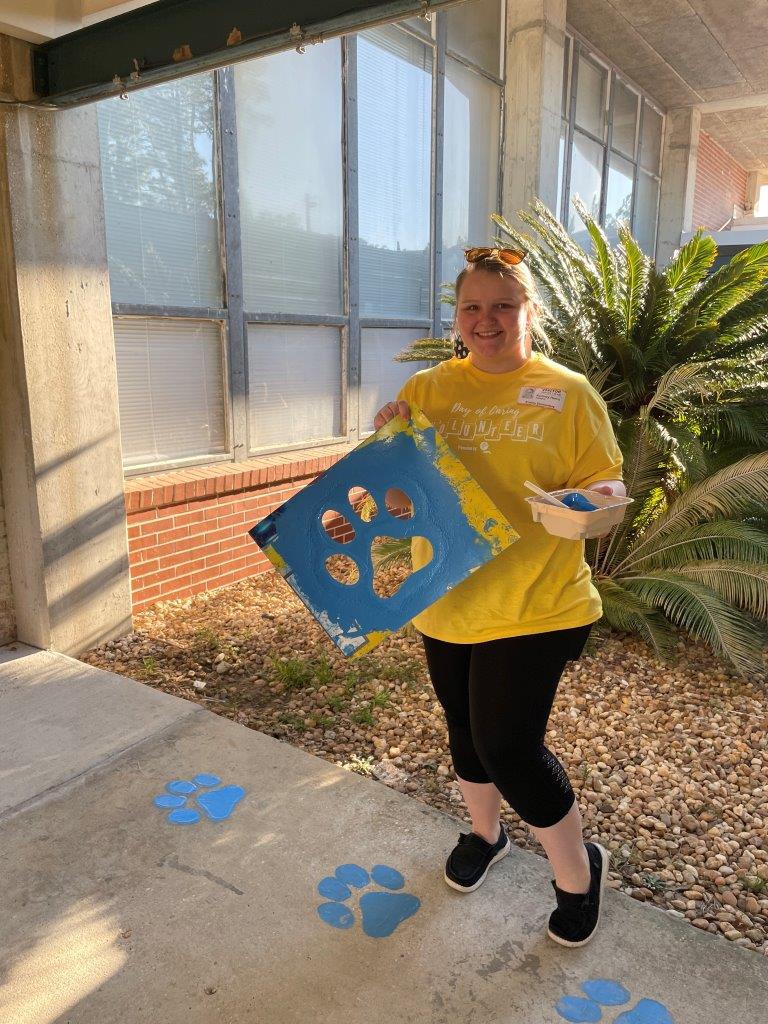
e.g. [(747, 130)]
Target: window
[(471, 162), (394, 173), (382, 377), (473, 33), (610, 151), (171, 399), (278, 230), (294, 384), (290, 175), (160, 195)]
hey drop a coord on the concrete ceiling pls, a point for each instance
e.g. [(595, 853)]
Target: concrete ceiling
[(692, 52)]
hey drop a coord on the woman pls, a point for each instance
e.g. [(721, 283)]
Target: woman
[(496, 645)]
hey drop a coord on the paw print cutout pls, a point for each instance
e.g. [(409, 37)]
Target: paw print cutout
[(601, 993), (184, 797), (381, 911)]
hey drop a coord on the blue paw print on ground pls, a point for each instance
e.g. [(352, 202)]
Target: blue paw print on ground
[(381, 912), (217, 804), (601, 993)]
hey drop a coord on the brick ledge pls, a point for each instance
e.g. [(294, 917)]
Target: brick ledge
[(156, 490)]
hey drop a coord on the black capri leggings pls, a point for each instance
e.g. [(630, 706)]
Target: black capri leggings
[(497, 698)]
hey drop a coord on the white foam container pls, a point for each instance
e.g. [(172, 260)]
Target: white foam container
[(573, 525)]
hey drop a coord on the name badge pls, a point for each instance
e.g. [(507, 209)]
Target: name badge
[(548, 398)]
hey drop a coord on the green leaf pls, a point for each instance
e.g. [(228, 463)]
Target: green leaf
[(700, 611), (744, 584)]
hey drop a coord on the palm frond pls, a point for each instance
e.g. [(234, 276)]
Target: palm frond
[(426, 350), (723, 539), (690, 266), (391, 553), (628, 613), (700, 611), (743, 584), (727, 494)]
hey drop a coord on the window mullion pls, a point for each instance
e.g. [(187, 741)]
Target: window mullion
[(232, 258)]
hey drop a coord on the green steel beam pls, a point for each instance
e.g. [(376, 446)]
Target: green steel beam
[(173, 38)]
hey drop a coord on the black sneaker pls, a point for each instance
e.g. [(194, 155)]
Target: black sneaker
[(576, 918), (470, 859)]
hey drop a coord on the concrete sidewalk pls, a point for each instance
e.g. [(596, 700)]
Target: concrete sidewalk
[(112, 913)]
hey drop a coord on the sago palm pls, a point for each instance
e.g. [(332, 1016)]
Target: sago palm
[(681, 358)]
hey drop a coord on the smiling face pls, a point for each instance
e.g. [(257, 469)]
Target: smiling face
[(492, 317)]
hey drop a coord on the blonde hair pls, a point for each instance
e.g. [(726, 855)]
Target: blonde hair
[(521, 273)]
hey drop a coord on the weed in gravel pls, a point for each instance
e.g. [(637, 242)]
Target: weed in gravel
[(754, 884), (653, 882), (335, 703), (381, 699), (292, 673), (149, 667), (363, 716), (359, 765), (206, 638), (324, 721), (323, 671), (294, 721)]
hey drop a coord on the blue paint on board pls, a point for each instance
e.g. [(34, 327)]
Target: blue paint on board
[(601, 992), (381, 913), (414, 458), (185, 797)]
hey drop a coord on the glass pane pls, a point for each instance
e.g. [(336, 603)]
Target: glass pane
[(157, 161), (561, 169), (650, 148), (586, 176), (170, 382), (625, 104), (394, 177), (474, 32), (590, 97), (380, 376), (646, 212), (421, 25), (618, 201), (294, 384), (471, 164), (289, 158)]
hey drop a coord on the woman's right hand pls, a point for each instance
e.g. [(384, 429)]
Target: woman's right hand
[(389, 411)]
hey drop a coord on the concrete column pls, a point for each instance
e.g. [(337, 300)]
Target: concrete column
[(678, 179), (60, 456), (532, 102)]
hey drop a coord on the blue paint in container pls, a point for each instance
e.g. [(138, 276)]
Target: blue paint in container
[(578, 502)]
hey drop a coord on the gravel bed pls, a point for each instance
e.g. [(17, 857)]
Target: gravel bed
[(668, 760)]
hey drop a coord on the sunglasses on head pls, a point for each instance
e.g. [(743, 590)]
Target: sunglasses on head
[(509, 256)]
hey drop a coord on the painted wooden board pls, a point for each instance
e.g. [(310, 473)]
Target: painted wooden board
[(462, 524)]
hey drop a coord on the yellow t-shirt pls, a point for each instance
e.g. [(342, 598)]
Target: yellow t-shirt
[(541, 422)]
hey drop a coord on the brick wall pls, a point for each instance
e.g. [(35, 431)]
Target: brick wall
[(7, 619), (188, 530), (720, 183)]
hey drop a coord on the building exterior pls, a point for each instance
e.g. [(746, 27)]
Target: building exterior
[(204, 283)]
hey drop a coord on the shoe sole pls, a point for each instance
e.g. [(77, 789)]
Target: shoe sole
[(605, 857), (471, 888)]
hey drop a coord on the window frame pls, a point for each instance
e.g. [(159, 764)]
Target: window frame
[(234, 317), (577, 46)]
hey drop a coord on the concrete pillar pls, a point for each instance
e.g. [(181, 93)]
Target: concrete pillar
[(532, 102), (678, 179), (60, 456)]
